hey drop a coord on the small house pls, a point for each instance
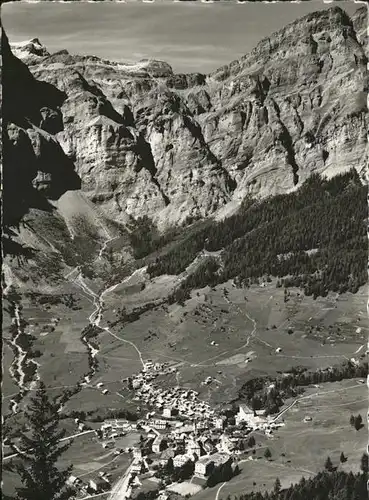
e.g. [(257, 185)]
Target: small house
[(98, 485), (204, 466)]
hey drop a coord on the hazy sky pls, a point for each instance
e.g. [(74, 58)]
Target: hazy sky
[(189, 36)]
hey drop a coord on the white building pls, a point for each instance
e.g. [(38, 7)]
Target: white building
[(98, 484), (244, 414), (204, 466), (201, 425), (136, 467), (193, 446), (158, 445), (225, 444), (220, 458), (159, 424), (137, 453), (167, 412), (219, 422), (72, 480)]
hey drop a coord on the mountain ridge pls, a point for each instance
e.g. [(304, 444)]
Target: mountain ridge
[(146, 142), (153, 216)]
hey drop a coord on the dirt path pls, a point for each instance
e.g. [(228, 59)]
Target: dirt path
[(96, 317), (243, 313), (315, 394), (73, 436)]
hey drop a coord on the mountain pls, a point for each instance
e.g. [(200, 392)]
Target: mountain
[(36, 168), (179, 147), (157, 217)]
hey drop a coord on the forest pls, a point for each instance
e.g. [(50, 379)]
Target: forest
[(328, 485), (259, 396), (314, 238)]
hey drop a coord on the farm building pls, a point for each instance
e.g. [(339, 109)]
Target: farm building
[(204, 466), (98, 484)]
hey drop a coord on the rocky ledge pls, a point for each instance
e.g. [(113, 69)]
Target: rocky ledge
[(174, 147)]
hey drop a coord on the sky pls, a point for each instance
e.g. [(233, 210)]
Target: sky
[(189, 36)]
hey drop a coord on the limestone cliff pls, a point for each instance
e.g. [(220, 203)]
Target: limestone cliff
[(35, 167), (148, 142)]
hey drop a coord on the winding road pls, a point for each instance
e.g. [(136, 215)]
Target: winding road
[(218, 491), (119, 491), (8, 457), (315, 394)]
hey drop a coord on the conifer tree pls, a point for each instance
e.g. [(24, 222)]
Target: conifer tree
[(251, 442), (358, 422), (364, 462), (328, 464), (39, 450), (277, 486)]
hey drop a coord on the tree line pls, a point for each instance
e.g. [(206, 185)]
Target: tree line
[(314, 237), (269, 393), (329, 484)]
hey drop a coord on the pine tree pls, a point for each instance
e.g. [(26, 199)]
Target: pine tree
[(343, 459), (328, 464), (267, 454), (352, 420), (40, 451), (251, 442), (358, 422), (364, 462), (277, 486)]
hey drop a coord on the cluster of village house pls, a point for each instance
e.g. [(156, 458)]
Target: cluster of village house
[(173, 401), (181, 427)]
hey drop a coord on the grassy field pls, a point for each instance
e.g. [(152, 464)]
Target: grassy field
[(247, 326), (252, 327), (306, 445)]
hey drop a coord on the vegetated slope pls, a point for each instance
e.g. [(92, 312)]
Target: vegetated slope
[(315, 236), (147, 142), (269, 393), (328, 484)]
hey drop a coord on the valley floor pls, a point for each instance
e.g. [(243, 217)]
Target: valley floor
[(224, 335)]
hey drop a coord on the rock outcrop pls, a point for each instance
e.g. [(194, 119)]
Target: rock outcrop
[(148, 142), (35, 167)]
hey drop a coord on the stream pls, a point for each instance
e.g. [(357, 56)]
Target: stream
[(20, 361)]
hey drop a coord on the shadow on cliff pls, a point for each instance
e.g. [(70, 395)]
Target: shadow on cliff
[(35, 168)]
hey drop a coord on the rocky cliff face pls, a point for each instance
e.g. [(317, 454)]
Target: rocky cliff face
[(148, 142), (35, 167)]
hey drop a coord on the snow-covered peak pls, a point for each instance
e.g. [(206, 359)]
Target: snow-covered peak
[(29, 48)]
